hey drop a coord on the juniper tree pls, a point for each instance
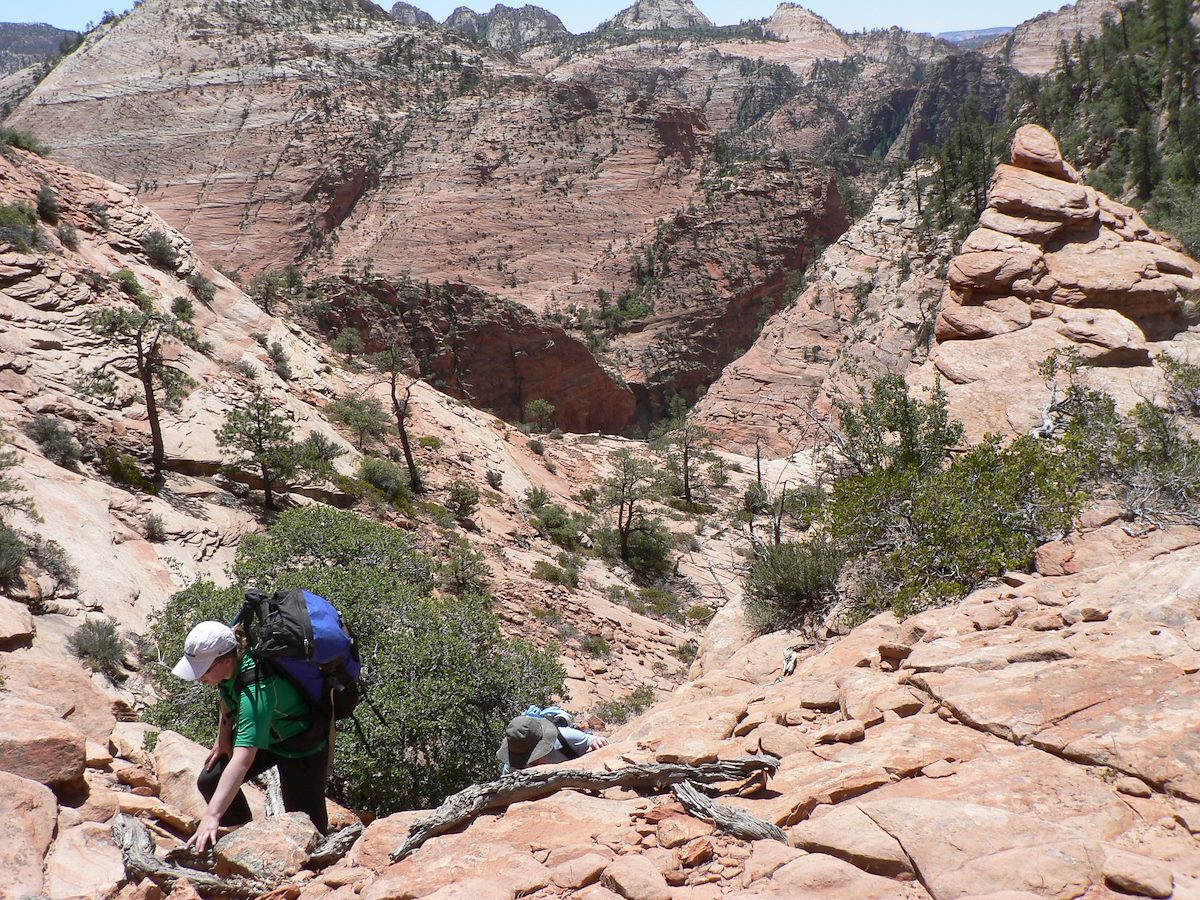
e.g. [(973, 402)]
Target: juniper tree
[(145, 338), (261, 440), (393, 361)]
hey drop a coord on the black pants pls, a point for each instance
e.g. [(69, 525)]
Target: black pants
[(302, 781)]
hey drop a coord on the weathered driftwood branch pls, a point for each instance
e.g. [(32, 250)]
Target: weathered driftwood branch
[(728, 819), (334, 847), (533, 784), (137, 848)]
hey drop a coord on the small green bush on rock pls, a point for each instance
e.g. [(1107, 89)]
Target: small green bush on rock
[(97, 644)]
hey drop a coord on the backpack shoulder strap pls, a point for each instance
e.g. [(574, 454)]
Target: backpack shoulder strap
[(565, 746)]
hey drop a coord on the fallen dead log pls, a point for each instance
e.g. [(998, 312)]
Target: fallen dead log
[(137, 849), (533, 784), (733, 821)]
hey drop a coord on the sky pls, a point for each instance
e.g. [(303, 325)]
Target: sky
[(583, 15)]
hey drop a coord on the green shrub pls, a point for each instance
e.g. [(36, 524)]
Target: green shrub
[(12, 553), (462, 499), (129, 285), (183, 309), (204, 290), (48, 209), (154, 528), (556, 524), (365, 416), (540, 414), (662, 604), (556, 434), (465, 572), (52, 559), (386, 477), (349, 343), (790, 584), (594, 645), (246, 369), (22, 140), (98, 646), (159, 250), (536, 446), (494, 479), (68, 236), (443, 677), (621, 710), (550, 467), (686, 652), (429, 442), (568, 575), (56, 442), (649, 548), (18, 225), (123, 469), (537, 498), (280, 361)]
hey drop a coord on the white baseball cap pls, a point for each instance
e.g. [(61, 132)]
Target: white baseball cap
[(204, 644)]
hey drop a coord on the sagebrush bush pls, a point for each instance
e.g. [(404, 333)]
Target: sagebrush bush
[(22, 140), (595, 645), (204, 290), (52, 558), (621, 710), (12, 553), (465, 572), (124, 469), (444, 678), (18, 225), (790, 584), (494, 478), (68, 235), (48, 208), (536, 446), (98, 645), (386, 477), (55, 440), (154, 528), (159, 250)]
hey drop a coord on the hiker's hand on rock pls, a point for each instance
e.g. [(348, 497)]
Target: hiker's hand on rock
[(598, 741), (206, 834), (220, 748)]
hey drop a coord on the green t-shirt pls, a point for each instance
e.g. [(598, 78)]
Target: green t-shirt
[(269, 711)]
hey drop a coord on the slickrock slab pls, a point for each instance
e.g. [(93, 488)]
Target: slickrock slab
[(822, 877), (65, 686), (28, 812), (847, 833), (962, 848), (16, 623), (84, 863)]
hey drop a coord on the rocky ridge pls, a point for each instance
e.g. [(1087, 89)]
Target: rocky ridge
[(505, 27), (653, 15), (407, 14)]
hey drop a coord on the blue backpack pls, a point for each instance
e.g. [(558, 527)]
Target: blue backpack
[(302, 637), (559, 717)]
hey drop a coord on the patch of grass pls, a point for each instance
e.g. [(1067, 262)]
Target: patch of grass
[(429, 442), (595, 645)]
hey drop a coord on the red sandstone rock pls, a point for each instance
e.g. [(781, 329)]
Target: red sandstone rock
[(36, 744), (84, 863), (635, 878), (269, 849), (27, 816)]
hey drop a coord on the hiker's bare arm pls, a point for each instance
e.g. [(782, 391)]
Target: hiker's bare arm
[(224, 744), (598, 741), (231, 780)]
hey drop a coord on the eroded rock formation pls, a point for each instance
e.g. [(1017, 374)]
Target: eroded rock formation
[(1032, 47), (1057, 265)]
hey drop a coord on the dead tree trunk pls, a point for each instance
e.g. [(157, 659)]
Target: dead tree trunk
[(532, 784)]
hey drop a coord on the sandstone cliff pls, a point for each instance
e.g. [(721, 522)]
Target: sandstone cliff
[(407, 14), (1032, 47), (506, 27)]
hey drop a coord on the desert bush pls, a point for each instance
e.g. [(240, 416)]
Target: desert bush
[(154, 529), (567, 576), (52, 559), (68, 235), (386, 477), (48, 208), (443, 677), (621, 710), (595, 645), (686, 652), (536, 446), (365, 416), (280, 361), (183, 309), (537, 498), (462, 499), (22, 140), (97, 644), (56, 442), (494, 479), (18, 225), (204, 290), (429, 442), (124, 469), (12, 553), (790, 584), (159, 250), (465, 572), (539, 414), (556, 524)]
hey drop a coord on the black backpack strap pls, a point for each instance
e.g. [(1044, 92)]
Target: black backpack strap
[(565, 746), (318, 724)]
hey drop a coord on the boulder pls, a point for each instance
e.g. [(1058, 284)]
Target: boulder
[(635, 878), (841, 733), (63, 686), (816, 876), (36, 744), (678, 830), (16, 624), (1130, 873), (1026, 194), (84, 863), (1035, 148), (579, 871), (28, 812), (269, 849), (383, 836)]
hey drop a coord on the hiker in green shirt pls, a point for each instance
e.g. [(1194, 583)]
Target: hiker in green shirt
[(264, 722)]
